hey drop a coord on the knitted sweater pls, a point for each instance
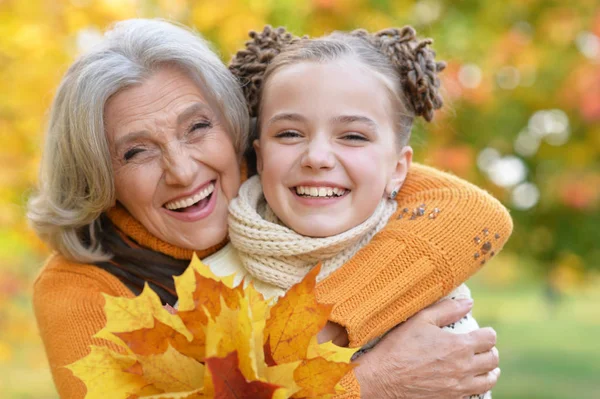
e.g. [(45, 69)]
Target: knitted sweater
[(418, 258)]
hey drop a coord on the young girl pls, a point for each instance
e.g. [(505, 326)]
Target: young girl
[(334, 117)]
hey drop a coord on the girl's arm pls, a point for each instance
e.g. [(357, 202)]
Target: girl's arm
[(444, 231)]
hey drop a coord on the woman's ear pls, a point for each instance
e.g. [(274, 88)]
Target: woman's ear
[(259, 164), (399, 174)]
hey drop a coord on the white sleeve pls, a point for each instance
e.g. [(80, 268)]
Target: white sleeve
[(465, 325)]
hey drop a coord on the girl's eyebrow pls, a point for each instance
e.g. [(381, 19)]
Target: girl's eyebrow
[(286, 116), (293, 117), (355, 118)]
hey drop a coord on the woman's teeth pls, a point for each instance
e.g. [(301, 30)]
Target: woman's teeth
[(189, 201), (310, 191)]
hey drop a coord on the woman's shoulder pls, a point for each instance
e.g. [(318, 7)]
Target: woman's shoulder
[(60, 274)]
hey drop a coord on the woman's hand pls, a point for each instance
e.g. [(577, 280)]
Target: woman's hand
[(419, 360)]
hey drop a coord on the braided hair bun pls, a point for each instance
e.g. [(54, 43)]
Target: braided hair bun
[(249, 65), (417, 68), (416, 65)]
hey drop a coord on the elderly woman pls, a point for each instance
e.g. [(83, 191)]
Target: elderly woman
[(142, 157)]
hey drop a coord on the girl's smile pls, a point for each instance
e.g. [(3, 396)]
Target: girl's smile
[(327, 150)]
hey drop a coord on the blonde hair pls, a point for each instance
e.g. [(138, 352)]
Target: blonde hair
[(405, 65), (76, 177)]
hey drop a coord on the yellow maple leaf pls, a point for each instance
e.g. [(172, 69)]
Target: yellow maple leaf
[(103, 373), (130, 314), (329, 351), (172, 372), (294, 320)]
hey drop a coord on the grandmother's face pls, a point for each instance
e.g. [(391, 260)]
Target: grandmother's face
[(174, 162)]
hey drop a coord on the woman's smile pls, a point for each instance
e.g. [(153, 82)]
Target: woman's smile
[(190, 208), (174, 162)]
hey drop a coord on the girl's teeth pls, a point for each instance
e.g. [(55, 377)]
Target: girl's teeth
[(320, 191)]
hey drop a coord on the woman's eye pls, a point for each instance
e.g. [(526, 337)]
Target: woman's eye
[(200, 126), (132, 153)]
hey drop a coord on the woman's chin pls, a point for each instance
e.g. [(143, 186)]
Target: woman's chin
[(209, 239)]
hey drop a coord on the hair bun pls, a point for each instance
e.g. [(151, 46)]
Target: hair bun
[(416, 65), (249, 65)]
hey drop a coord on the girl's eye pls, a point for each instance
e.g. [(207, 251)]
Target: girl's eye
[(132, 153), (354, 137), (288, 134)]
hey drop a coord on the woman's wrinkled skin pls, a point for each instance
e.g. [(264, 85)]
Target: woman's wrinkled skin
[(169, 145), (403, 364)]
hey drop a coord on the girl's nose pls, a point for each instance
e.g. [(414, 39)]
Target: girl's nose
[(318, 155)]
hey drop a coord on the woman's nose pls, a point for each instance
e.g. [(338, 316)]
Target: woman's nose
[(180, 168), (318, 155)]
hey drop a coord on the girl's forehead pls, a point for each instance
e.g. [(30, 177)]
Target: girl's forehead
[(337, 86)]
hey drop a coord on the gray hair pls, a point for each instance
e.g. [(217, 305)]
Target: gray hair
[(76, 181)]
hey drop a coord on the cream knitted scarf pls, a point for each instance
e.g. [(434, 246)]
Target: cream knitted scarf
[(275, 254)]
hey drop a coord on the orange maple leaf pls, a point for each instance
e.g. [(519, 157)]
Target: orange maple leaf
[(318, 377), (153, 340), (229, 382)]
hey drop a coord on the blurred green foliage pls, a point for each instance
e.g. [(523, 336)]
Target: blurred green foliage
[(521, 119)]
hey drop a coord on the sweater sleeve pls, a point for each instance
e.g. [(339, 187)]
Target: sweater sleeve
[(444, 231), (69, 307)]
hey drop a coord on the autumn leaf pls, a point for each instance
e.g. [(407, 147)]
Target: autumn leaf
[(295, 319), (195, 394), (223, 342), (154, 340), (126, 315), (283, 375), (172, 372), (229, 382), (102, 372), (319, 377), (199, 286), (329, 351)]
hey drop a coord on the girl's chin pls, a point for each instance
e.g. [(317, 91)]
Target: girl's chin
[(318, 230)]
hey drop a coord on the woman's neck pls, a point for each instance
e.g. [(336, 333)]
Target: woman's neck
[(134, 230)]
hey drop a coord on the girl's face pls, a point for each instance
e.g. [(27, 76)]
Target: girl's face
[(327, 152)]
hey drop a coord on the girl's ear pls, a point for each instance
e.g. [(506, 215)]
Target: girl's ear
[(259, 163), (399, 175)]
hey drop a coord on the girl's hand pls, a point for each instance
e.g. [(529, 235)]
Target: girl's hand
[(419, 360)]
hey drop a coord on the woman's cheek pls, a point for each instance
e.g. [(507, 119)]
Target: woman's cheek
[(139, 180)]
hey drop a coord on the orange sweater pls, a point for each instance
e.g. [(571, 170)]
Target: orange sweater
[(420, 256)]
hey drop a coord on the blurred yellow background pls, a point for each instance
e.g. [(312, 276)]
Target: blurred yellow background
[(522, 120)]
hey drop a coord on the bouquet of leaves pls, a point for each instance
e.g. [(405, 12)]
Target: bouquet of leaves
[(224, 341)]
